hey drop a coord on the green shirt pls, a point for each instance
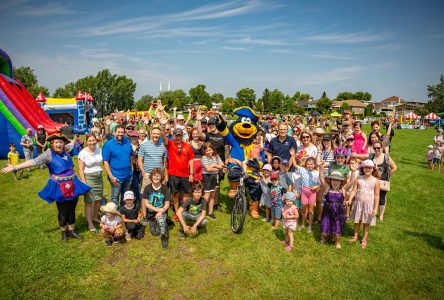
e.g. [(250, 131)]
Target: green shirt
[(344, 169), (112, 128)]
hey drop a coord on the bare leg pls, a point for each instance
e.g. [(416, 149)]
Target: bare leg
[(291, 238), (304, 214), (89, 215), (310, 215), (276, 223), (381, 212), (365, 235), (267, 212), (96, 209), (209, 196), (319, 196), (176, 202)]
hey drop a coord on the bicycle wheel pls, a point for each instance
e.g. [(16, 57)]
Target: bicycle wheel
[(238, 212)]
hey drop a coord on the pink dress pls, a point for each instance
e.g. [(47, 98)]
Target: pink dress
[(364, 201), (290, 221), (359, 142)]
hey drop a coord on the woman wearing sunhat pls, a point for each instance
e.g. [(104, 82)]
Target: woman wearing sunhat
[(63, 186)]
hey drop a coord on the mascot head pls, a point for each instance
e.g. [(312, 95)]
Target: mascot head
[(245, 127)]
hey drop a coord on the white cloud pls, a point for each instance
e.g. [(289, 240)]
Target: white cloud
[(348, 38), (339, 74), (330, 55), (43, 10), (263, 42), (280, 51), (240, 49)]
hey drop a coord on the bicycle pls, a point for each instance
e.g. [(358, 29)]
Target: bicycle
[(239, 210)]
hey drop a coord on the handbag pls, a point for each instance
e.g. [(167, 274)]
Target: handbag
[(384, 185)]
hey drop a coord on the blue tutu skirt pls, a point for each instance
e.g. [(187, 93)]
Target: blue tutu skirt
[(51, 192)]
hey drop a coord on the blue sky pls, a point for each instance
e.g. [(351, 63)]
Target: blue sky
[(391, 47)]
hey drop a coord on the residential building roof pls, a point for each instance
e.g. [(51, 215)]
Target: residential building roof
[(351, 103)]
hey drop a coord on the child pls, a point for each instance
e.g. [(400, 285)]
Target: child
[(284, 176), (111, 224), (156, 200), (132, 216), (211, 165), (437, 154), (290, 215), (276, 193), (354, 174), (265, 198), (14, 159), (275, 162), (366, 191), (192, 212), (334, 216), (430, 156), (258, 147), (360, 146), (310, 186), (253, 186)]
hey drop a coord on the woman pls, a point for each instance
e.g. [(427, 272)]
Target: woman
[(90, 172), (142, 136), (63, 187), (137, 173), (196, 145), (386, 168), (40, 139), (307, 148), (374, 137)]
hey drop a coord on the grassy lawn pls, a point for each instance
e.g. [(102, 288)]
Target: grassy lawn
[(404, 257)]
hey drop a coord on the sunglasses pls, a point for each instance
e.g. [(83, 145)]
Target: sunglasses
[(350, 140), (377, 148), (305, 137)]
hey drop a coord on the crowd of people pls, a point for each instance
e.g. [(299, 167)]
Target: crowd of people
[(164, 170)]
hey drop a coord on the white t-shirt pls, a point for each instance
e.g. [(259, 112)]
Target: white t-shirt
[(93, 161), (109, 223)]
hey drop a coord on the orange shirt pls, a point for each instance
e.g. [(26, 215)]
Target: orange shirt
[(178, 160)]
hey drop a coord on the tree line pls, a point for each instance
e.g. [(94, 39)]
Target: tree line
[(116, 92)]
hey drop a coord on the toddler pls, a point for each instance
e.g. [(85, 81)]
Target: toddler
[(111, 224), (14, 159), (290, 215)]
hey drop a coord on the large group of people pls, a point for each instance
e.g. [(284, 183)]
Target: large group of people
[(164, 170)]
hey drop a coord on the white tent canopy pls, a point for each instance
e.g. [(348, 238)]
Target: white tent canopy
[(411, 115), (431, 116)]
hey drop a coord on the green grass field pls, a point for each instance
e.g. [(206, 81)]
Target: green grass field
[(404, 257)]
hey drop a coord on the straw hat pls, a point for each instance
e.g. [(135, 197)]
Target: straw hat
[(337, 176), (110, 207)]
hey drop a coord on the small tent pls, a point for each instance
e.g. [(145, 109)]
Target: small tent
[(431, 116), (335, 114)]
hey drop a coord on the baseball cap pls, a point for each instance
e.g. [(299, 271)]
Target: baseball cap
[(180, 117), (440, 130), (334, 128), (367, 163), (211, 121), (267, 167), (284, 162), (430, 147), (274, 176), (39, 126), (129, 125), (178, 131), (128, 195), (327, 137), (319, 131)]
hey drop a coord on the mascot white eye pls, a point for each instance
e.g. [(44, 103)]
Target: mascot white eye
[(246, 120)]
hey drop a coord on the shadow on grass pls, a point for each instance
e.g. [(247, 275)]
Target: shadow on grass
[(432, 240)]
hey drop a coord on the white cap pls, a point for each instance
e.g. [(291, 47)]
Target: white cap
[(128, 195), (180, 117), (367, 163), (39, 126)]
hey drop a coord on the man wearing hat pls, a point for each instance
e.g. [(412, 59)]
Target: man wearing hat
[(180, 167), (117, 158)]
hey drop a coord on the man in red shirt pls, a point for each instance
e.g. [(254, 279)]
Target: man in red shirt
[(180, 167)]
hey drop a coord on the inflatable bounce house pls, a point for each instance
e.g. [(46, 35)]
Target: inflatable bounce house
[(77, 112), (18, 109)]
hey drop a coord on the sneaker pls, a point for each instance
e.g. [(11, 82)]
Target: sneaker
[(169, 222), (164, 241), (302, 227), (212, 216), (108, 243), (128, 236), (144, 221), (309, 229), (175, 218), (266, 219), (182, 235), (115, 241)]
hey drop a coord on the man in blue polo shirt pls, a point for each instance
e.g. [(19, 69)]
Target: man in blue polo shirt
[(117, 154), (281, 145)]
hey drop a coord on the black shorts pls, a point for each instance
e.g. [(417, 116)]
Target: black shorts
[(210, 182), (179, 184)]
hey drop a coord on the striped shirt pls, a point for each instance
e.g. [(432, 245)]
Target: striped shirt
[(152, 155), (210, 161)]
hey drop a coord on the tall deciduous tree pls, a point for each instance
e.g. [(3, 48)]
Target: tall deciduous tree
[(217, 98), (29, 80), (228, 105), (323, 105), (436, 94), (200, 95), (246, 97), (144, 103), (363, 96)]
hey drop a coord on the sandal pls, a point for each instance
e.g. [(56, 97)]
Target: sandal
[(352, 240), (363, 244), (284, 242)]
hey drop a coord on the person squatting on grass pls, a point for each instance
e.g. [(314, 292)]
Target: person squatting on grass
[(111, 224), (131, 215), (290, 216), (63, 186), (192, 213), (365, 200), (156, 199)]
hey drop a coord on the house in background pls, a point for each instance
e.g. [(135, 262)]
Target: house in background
[(396, 105), (357, 107), (308, 105)]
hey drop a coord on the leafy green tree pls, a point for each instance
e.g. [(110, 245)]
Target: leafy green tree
[(421, 111), (323, 105), (200, 95), (344, 96), (368, 111), (167, 98), (276, 102), (228, 105), (436, 94), (29, 80), (143, 104), (217, 98), (298, 96), (245, 97), (262, 103), (363, 96), (68, 91), (345, 106), (290, 106)]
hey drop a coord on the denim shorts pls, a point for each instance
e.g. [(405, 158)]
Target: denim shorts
[(276, 211)]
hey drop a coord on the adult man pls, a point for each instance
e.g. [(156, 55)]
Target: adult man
[(281, 145), (151, 155), (180, 167), (28, 145), (116, 155), (129, 129), (217, 140)]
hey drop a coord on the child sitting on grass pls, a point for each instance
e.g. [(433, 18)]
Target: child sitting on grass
[(193, 212), (111, 224), (132, 216), (14, 159), (290, 215)]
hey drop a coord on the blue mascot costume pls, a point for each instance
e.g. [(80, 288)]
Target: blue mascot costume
[(240, 135)]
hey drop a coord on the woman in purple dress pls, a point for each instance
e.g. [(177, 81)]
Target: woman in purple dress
[(63, 186)]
